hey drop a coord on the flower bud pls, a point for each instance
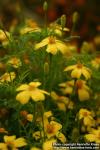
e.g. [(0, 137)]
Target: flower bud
[(46, 68), (45, 6), (63, 21), (75, 17)]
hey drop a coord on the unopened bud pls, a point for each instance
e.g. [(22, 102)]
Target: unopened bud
[(45, 6), (46, 68), (75, 17), (63, 21)]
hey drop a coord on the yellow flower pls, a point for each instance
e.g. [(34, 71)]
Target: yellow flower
[(83, 90), (96, 62), (53, 45), (48, 145), (78, 70), (12, 143), (30, 27), (61, 137), (67, 87), (58, 29), (2, 130), (62, 102), (35, 148), (15, 62), (87, 117), (93, 136), (3, 36), (51, 128), (30, 90), (7, 77), (37, 135), (29, 30), (29, 117)]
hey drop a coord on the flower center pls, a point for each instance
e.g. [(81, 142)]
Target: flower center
[(85, 114), (79, 84), (79, 65), (31, 87), (15, 61), (52, 40), (50, 128)]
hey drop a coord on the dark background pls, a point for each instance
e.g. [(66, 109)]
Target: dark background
[(88, 26)]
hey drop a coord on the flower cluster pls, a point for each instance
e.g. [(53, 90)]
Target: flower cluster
[(49, 93)]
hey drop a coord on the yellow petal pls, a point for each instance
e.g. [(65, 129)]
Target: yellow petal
[(88, 121), (76, 73), (61, 106), (22, 87), (86, 73), (48, 145), (70, 68), (3, 146), (68, 90), (23, 97), (30, 117), (90, 137), (62, 47), (83, 94), (35, 84), (37, 95), (9, 138), (42, 43), (54, 95), (48, 114), (61, 137), (51, 48), (57, 126), (35, 148), (20, 142)]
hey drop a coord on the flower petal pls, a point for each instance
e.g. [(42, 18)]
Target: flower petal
[(35, 84), (76, 73), (70, 67), (20, 142), (9, 138), (37, 95), (62, 47), (42, 43), (86, 73), (51, 48), (83, 94), (3, 146), (23, 97), (22, 87), (61, 137), (90, 137)]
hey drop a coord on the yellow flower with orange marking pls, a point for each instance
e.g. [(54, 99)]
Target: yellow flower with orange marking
[(53, 45), (12, 143), (83, 90), (62, 102), (15, 62), (7, 77), (67, 87), (87, 117), (93, 136), (48, 145), (32, 91), (78, 70)]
